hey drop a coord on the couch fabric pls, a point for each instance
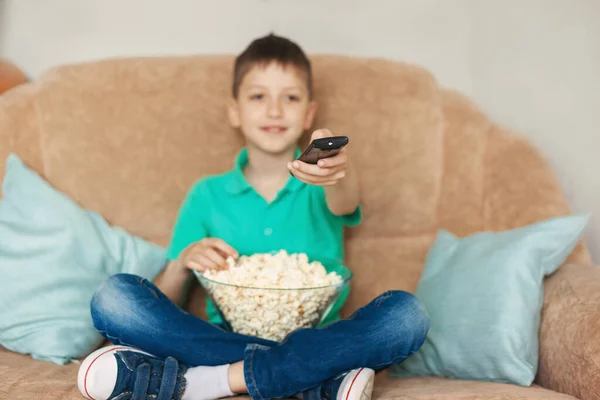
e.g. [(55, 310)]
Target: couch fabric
[(128, 137)]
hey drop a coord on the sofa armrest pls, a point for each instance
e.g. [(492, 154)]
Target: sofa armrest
[(570, 332)]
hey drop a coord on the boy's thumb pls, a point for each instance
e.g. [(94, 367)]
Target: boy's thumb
[(320, 133)]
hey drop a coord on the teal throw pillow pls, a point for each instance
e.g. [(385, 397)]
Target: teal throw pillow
[(484, 296), (53, 256)]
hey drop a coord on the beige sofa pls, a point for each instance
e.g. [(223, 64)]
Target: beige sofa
[(128, 137)]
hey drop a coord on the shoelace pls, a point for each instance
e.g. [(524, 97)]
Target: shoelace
[(167, 383)]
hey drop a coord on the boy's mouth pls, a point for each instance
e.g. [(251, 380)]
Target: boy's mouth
[(275, 129)]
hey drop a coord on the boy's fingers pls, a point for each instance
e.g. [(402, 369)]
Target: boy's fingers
[(315, 180), (333, 180), (304, 176), (192, 256), (339, 171), (310, 169), (207, 263), (196, 257), (316, 170), (318, 174), (207, 257), (222, 246), (215, 257), (195, 265), (320, 133), (339, 159)]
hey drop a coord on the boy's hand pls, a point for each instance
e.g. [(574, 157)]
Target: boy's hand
[(208, 253), (327, 172)]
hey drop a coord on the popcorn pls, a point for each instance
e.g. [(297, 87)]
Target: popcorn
[(281, 292)]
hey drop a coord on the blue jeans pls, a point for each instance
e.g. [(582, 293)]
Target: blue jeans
[(130, 310)]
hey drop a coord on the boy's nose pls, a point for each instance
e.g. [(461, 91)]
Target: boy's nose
[(275, 110)]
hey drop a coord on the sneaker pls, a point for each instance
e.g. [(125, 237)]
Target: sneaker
[(357, 384), (128, 373)]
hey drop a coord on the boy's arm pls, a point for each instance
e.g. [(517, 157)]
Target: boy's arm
[(343, 198), (172, 280), (187, 230)]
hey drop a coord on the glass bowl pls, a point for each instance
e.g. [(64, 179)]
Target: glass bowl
[(272, 313)]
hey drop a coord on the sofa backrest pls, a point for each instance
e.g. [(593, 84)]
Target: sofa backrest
[(128, 137)]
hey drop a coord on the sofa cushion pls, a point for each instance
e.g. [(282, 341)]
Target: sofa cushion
[(433, 388), (26, 379)]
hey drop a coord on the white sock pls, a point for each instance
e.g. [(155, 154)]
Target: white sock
[(207, 383)]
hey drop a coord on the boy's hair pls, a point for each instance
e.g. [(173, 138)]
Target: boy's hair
[(267, 49)]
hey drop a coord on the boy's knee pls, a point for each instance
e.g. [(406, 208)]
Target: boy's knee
[(407, 315), (113, 291), (112, 300)]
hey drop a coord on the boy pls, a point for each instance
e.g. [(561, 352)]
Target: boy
[(252, 209)]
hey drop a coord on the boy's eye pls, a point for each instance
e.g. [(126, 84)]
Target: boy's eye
[(293, 97), (257, 96)]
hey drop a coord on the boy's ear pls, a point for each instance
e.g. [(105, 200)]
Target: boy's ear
[(234, 114), (310, 114)]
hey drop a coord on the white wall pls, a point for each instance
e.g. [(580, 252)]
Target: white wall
[(533, 65)]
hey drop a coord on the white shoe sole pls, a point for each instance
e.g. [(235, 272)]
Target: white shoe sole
[(88, 363), (361, 385)]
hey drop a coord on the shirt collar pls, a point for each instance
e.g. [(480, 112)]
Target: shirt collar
[(239, 184)]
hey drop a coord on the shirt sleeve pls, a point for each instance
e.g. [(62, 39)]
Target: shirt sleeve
[(354, 218), (190, 225)]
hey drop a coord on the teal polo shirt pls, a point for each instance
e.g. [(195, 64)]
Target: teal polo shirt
[(227, 207)]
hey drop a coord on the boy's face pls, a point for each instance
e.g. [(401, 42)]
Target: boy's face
[(273, 108)]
